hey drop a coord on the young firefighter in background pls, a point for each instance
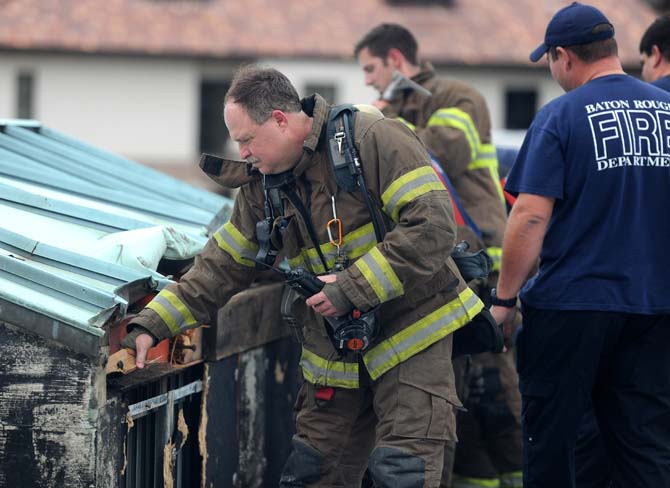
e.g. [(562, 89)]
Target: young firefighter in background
[(391, 407), (452, 120)]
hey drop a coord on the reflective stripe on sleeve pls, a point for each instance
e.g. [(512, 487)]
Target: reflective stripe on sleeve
[(458, 119), (496, 256), (408, 187), (172, 311), (423, 333), (231, 240), (322, 372), (487, 159), (379, 274)]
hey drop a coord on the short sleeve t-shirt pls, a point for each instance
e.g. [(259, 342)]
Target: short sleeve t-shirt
[(603, 152)]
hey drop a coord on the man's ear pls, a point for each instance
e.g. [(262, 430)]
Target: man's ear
[(279, 118), (656, 56), (564, 56), (395, 58)]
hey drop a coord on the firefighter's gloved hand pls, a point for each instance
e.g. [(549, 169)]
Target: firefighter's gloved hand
[(472, 265), (330, 301), (141, 341), (337, 297)]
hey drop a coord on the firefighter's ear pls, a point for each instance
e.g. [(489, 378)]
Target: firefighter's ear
[(656, 56), (395, 58), (279, 118)]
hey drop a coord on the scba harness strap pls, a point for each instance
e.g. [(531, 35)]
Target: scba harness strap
[(482, 334), (355, 331), (345, 160)]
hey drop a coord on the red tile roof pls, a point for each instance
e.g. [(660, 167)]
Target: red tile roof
[(490, 32)]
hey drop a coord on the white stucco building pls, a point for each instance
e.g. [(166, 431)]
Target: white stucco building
[(146, 78)]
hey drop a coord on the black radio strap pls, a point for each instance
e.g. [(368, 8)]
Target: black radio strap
[(345, 160), (306, 218)]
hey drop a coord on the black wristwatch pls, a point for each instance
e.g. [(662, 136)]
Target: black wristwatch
[(502, 302)]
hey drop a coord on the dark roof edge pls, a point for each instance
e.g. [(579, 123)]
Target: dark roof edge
[(78, 340)]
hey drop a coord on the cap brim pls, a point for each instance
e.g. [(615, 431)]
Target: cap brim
[(537, 54)]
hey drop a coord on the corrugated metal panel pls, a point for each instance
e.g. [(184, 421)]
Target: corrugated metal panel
[(82, 232)]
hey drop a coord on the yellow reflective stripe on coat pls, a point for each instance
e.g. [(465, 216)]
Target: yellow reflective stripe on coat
[(408, 187), (172, 311), (465, 482), (322, 372), (423, 333), (496, 256), (487, 158), (408, 124), (354, 244), (379, 274), (513, 479), (231, 240), (458, 119)]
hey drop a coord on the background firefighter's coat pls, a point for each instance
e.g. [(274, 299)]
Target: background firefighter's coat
[(455, 126)]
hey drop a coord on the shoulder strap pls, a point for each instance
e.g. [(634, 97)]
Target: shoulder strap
[(345, 160), (340, 123)]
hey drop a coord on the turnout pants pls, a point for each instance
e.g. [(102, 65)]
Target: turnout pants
[(620, 361), (461, 366), (489, 450), (396, 426)]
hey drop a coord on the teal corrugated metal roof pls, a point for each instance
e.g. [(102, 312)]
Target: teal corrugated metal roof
[(83, 231)]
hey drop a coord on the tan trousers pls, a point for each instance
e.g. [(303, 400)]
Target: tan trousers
[(397, 425)]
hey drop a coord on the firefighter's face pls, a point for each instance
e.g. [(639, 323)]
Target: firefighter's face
[(378, 71), (267, 146)]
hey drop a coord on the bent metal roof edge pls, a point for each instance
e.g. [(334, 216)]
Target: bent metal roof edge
[(60, 198)]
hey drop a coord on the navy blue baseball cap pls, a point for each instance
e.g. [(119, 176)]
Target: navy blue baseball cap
[(573, 25)]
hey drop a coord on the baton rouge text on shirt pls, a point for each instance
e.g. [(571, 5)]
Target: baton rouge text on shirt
[(630, 133)]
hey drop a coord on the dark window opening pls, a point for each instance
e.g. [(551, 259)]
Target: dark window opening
[(213, 131), (160, 403), (327, 91), (25, 87), (520, 108)]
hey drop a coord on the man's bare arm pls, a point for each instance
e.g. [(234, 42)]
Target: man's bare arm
[(526, 227)]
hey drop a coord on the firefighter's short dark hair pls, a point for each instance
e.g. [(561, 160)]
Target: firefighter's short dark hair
[(260, 90), (657, 34), (384, 37)]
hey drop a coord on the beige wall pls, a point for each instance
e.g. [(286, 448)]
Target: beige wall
[(141, 108), (148, 109)]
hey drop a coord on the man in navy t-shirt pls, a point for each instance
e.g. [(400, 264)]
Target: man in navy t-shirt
[(655, 53), (593, 185)]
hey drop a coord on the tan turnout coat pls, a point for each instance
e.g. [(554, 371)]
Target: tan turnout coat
[(455, 126), (410, 274)]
